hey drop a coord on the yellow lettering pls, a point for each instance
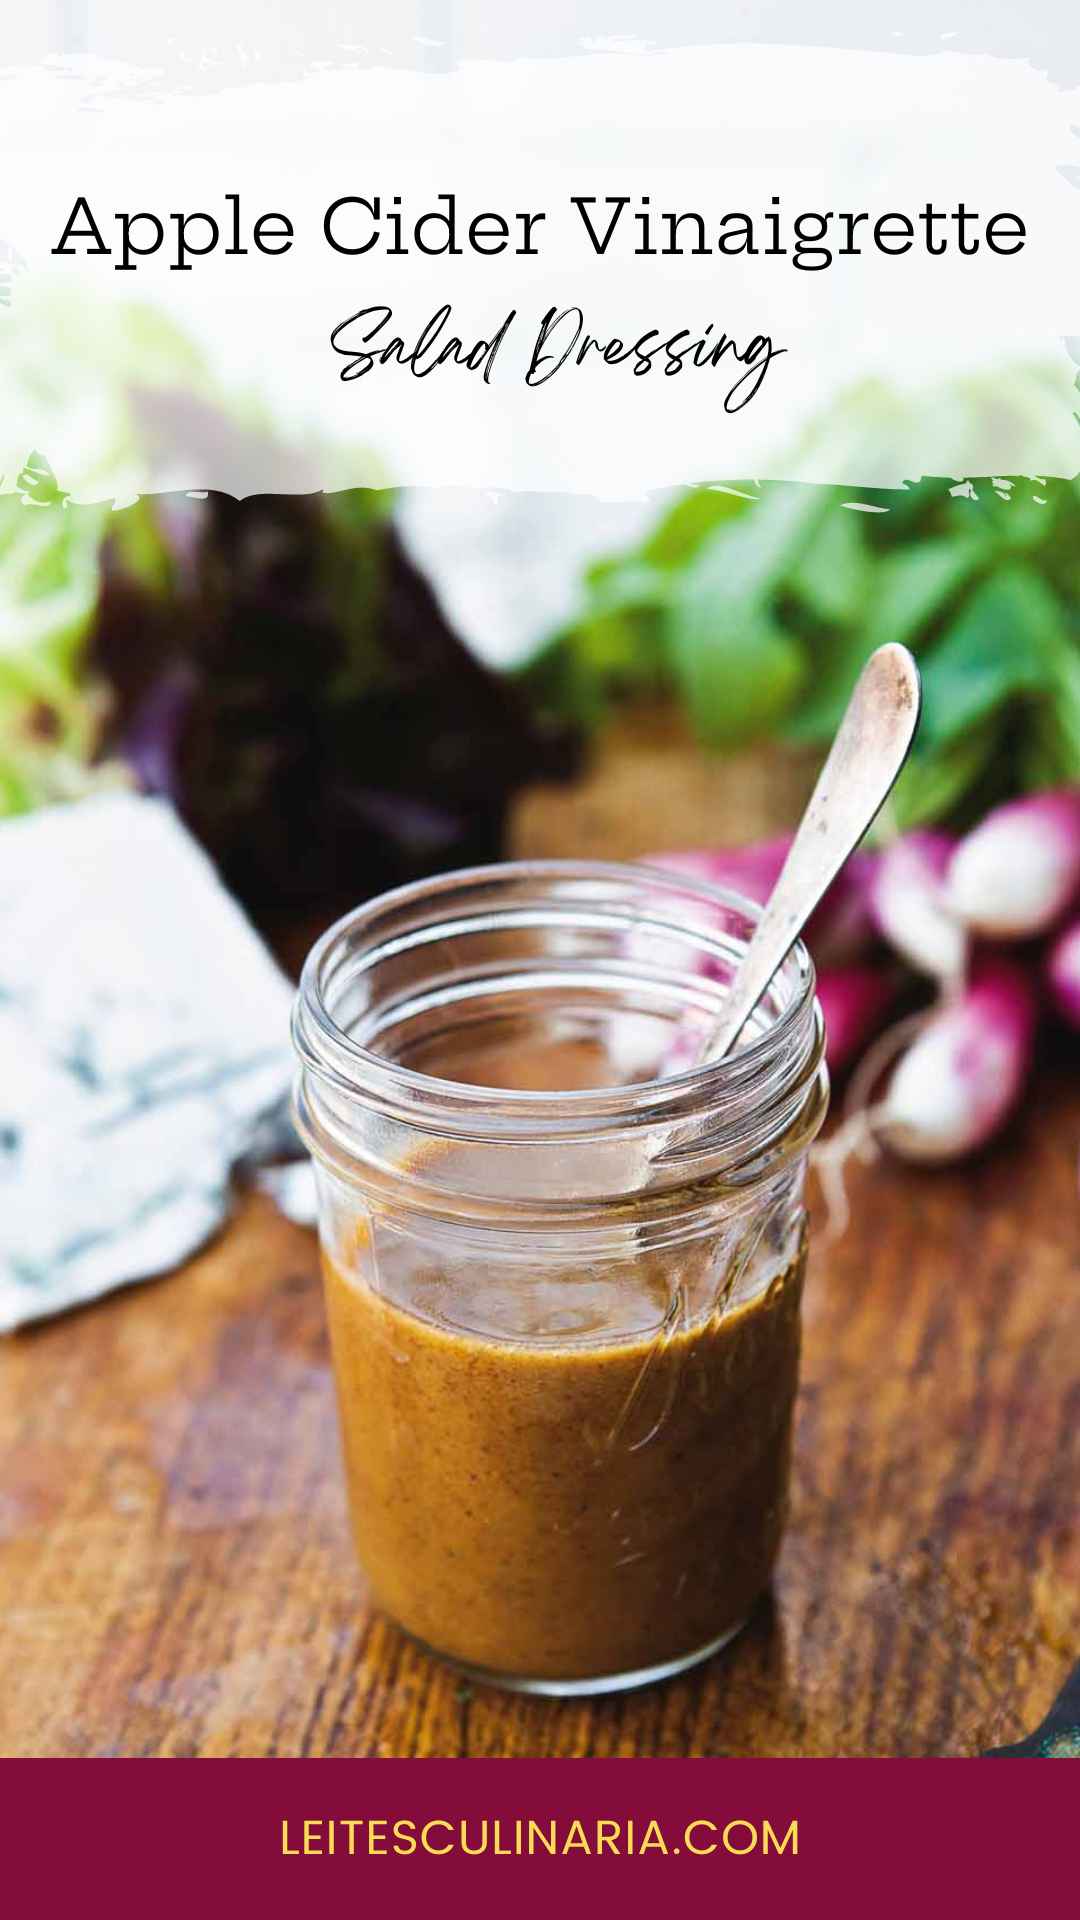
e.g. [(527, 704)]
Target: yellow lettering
[(710, 1826), (747, 1827), (780, 1846)]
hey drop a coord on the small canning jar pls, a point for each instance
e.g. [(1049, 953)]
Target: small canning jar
[(563, 1261)]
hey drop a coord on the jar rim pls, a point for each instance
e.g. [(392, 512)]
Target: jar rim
[(334, 1056)]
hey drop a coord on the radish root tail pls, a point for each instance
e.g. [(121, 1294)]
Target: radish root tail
[(857, 1135)]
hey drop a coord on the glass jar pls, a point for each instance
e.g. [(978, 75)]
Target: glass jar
[(563, 1261)]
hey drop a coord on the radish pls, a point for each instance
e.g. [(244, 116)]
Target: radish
[(965, 1070), (1019, 871), (838, 931), (752, 870), (1063, 974), (853, 998), (854, 1001), (907, 904)]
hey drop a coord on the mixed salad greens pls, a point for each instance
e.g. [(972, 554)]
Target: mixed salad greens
[(275, 666), (272, 663), (755, 607)]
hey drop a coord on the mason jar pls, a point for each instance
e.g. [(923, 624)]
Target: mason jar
[(563, 1261)]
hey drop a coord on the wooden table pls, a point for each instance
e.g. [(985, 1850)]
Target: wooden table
[(176, 1577)]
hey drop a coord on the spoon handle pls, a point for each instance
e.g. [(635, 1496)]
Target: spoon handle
[(870, 748)]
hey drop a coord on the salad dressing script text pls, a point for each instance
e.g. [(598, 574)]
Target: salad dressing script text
[(366, 340)]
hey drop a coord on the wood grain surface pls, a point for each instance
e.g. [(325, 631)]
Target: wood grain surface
[(176, 1576)]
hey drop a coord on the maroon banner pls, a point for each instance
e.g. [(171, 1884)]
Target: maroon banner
[(912, 1838)]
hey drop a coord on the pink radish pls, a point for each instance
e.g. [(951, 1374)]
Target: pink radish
[(854, 1001), (752, 870), (1019, 871), (907, 904), (841, 929), (964, 1072), (1063, 974), (838, 932)]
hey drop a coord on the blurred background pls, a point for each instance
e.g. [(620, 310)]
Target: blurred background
[(340, 691)]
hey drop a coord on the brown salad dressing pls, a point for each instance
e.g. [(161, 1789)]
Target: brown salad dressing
[(567, 1474)]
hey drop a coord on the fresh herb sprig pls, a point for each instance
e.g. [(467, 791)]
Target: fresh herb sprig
[(754, 606)]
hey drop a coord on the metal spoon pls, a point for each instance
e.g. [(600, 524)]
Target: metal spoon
[(871, 745)]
